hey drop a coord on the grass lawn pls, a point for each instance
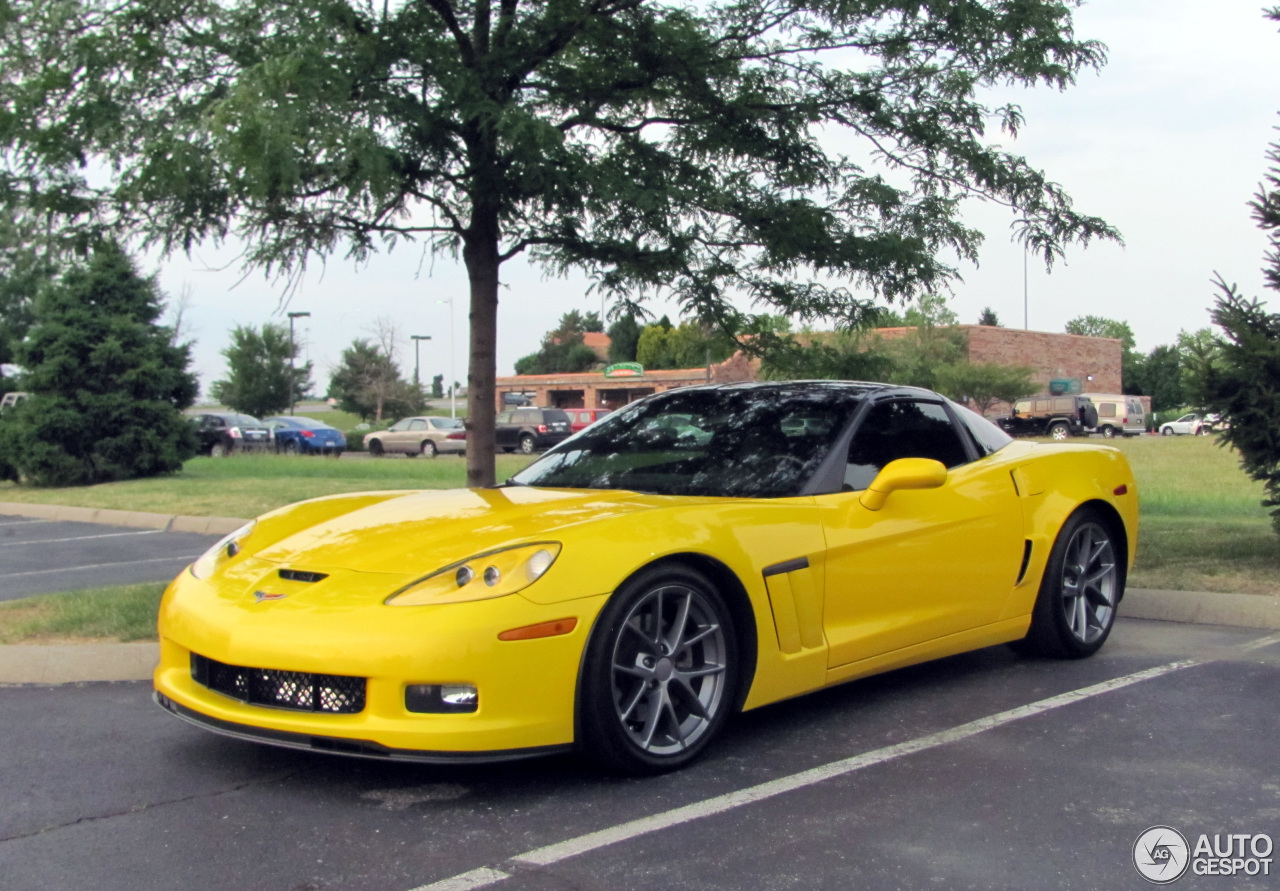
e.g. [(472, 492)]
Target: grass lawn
[(248, 485), (121, 612), (1203, 528)]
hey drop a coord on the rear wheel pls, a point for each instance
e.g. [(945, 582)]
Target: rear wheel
[(1109, 432), (291, 448), (428, 449), (661, 672), (1059, 431), (527, 444), (217, 450), (1082, 586)]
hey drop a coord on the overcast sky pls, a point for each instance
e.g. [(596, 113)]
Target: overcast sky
[(1167, 143)]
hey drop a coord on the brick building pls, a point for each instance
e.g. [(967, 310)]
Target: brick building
[(1060, 362)]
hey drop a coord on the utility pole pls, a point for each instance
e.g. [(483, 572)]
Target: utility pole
[(417, 340), (292, 350)]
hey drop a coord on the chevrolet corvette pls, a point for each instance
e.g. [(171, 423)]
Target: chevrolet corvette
[(699, 552)]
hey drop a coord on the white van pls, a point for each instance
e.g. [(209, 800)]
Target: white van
[(1119, 415)]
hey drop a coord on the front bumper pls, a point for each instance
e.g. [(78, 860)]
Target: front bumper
[(527, 688)]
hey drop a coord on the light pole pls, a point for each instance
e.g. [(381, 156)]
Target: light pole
[(453, 391), (417, 340), (292, 350)]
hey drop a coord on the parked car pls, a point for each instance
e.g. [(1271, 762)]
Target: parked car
[(222, 433), (1192, 424), (626, 594), (306, 436), (581, 418), (1118, 415), (1054, 416), (10, 400), (428, 436), (531, 429)]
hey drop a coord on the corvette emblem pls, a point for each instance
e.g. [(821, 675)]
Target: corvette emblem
[(259, 596)]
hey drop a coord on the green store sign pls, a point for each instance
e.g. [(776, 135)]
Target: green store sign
[(624, 369)]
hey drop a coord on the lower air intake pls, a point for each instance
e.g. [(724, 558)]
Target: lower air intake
[(298, 690)]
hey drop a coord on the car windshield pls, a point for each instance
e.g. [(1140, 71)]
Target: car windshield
[(750, 442), (242, 421)]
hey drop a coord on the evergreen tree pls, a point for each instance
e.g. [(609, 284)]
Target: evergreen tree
[(108, 383), (260, 367), (989, 317), (562, 350), (624, 337), (367, 382)]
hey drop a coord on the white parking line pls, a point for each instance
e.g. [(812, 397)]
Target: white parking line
[(14, 575), (1262, 642), (479, 878), (23, 522), (18, 544)]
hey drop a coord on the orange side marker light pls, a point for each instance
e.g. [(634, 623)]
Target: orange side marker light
[(542, 629)]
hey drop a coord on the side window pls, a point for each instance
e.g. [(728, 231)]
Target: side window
[(1022, 407), (525, 416), (901, 429), (418, 424), (1106, 409), (504, 417)]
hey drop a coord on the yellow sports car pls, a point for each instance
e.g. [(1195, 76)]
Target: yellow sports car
[(701, 551)]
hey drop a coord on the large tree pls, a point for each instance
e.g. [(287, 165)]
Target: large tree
[(263, 377), (706, 149), (368, 382), (108, 383)]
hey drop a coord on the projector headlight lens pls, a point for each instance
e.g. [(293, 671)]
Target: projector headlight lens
[(487, 575)]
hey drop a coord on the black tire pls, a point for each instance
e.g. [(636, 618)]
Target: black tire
[(660, 675), (1081, 589), (1059, 431), (375, 448), (291, 448), (1108, 432), (527, 444), (1166, 431), (428, 449)]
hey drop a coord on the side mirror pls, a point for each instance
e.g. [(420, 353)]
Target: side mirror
[(905, 473)]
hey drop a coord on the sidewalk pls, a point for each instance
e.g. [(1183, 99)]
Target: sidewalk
[(77, 663)]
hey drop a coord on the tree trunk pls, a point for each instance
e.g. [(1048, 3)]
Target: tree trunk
[(480, 252)]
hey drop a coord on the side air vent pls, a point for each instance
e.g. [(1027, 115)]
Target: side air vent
[(298, 575), (1026, 559)]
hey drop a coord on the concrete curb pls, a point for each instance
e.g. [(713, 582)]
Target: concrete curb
[(1202, 608), (133, 518)]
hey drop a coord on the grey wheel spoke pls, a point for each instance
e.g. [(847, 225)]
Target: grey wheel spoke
[(703, 672), (635, 671), (649, 644), (674, 639), (691, 697), (656, 703), (635, 700), (702, 634)]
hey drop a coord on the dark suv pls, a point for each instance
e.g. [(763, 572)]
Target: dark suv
[(1054, 416), (221, 433), (530, 429)]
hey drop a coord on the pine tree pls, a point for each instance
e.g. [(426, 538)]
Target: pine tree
[(108, 382)]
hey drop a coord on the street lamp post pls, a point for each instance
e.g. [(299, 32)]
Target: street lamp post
[(453, 391), (417, 340), (292, 350)]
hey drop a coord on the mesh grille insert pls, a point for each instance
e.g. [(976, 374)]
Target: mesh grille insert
[(298, 690)]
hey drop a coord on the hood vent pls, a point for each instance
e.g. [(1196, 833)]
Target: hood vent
[(298, 575)]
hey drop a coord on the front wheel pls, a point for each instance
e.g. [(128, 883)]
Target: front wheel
[(375, 448), (1059, 431), (1082, 587), (661, 672), (1166, 431)]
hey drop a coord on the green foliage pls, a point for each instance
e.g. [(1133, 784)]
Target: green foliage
[(930, 311), (1131, 374), (658, 146), (368, 383), (849, 355), (562, 349), (108, 383), (989, 317), (689, 345), (986, 383), (437, 387), (26, 268), (624, 338), (1161, 378), (259, 372)]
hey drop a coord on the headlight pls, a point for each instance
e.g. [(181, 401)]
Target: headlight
[(225, 549), (492, 574)]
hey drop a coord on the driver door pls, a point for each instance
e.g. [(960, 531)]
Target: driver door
[(930, 562)]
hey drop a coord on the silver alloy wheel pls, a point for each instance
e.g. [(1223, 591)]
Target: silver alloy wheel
[(527, 444), (1058, 432), (1089, 578), (668, 669)]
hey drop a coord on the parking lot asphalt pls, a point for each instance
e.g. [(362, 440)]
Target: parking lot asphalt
[(41, 556), (981, 771)]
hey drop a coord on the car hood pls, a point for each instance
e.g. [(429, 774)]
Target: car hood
[(420, 532)]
